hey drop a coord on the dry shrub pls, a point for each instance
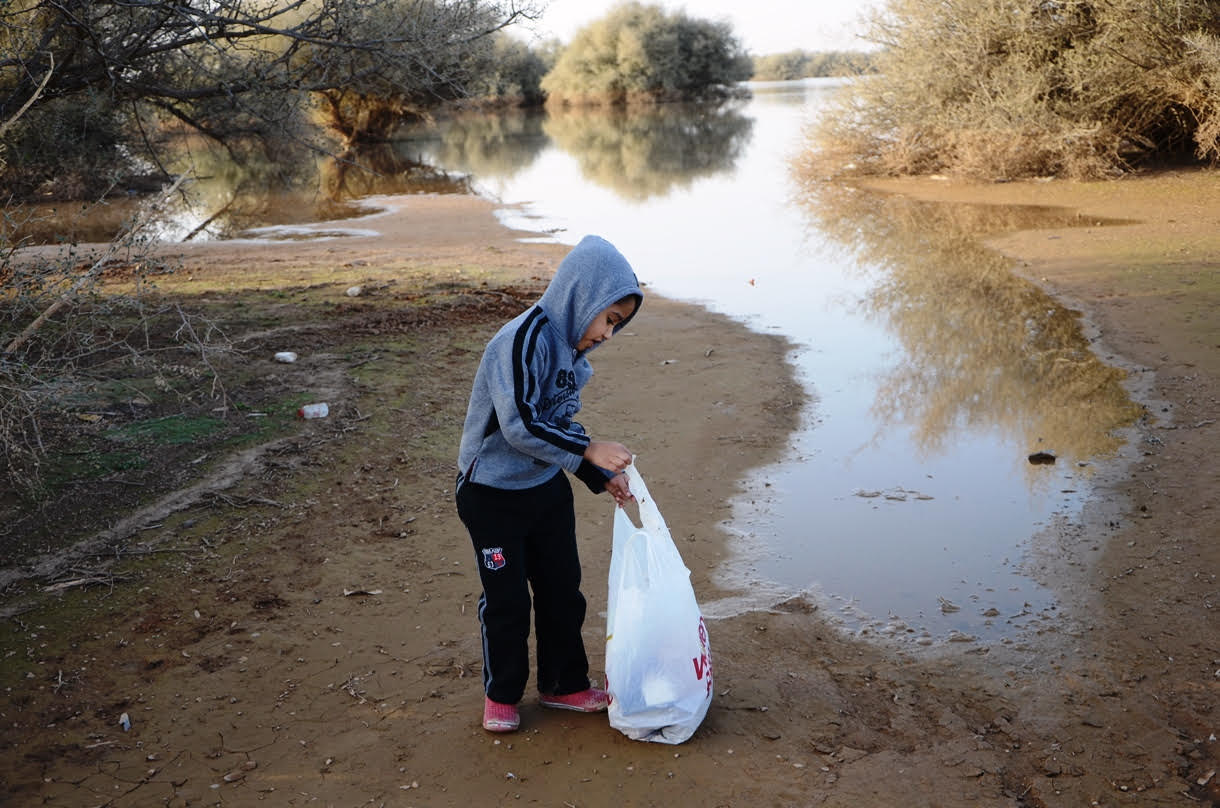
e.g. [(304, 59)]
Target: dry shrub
[(1018, 88), (73, 324)]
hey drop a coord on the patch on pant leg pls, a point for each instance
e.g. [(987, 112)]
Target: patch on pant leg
[(493, 558)]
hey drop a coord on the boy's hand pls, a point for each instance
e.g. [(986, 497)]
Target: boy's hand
[(608, 455), (619, 489)]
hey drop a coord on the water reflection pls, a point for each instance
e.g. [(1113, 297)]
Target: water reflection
[(230, 196), (385, 169), (637, 153), (939, 372), (229, 193), (65, 222), (640, 154), (984, 348), (492, 145)]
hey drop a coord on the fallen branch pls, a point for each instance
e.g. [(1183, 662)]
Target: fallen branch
[(88, 276), (60, 302), (33, 96), (75, 582)]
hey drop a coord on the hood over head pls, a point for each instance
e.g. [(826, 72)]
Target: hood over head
[(591, 278)]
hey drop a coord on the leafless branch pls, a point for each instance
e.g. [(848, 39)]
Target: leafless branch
[(85, 278)]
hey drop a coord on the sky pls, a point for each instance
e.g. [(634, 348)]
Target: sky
[(764, 26)]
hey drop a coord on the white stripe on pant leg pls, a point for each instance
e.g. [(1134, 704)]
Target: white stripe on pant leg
[(487, 677)]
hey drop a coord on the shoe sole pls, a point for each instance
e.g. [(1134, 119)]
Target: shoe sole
[(500, 726), (560, 706)]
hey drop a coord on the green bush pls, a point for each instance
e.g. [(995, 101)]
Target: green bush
[(447, 48), (1020, 88), (641, 53)]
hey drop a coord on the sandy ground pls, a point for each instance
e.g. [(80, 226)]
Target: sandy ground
[(260, 681)]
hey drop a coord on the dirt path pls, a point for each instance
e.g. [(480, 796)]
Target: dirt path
[(323, 650)]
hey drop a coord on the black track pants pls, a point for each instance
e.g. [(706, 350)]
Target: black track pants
[(526, 540)]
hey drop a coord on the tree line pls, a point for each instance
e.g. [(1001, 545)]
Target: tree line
[(803, 64)]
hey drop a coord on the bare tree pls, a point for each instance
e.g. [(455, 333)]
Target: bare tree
[(190, 59)]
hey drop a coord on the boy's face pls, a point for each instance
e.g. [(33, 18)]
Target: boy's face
[(603, 324)]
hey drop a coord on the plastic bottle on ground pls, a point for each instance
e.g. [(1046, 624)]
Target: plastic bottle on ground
[(320, 410)]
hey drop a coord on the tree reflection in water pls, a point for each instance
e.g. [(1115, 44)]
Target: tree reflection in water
[(637, 152), (644, 152), (243, 185), (487, 145), (385, 168), (985, 349)]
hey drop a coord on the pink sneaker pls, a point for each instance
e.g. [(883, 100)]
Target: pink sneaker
[(593, 700), (499, 717)]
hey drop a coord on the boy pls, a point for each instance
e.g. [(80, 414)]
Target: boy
[(512, 496)]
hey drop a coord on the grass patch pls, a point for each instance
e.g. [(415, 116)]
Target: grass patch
[(172, 430), (66, 468)]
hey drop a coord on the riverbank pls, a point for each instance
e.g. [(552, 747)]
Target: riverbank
[(317, 643)]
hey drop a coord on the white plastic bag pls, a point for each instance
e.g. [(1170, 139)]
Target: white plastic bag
[(658, 661)]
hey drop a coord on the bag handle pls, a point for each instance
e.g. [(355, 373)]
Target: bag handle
[(650, 515), (661, 547)]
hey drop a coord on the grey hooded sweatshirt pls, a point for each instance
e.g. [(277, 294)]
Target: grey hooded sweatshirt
[(519, 428)]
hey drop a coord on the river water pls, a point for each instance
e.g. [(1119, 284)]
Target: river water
[(907, 501)]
